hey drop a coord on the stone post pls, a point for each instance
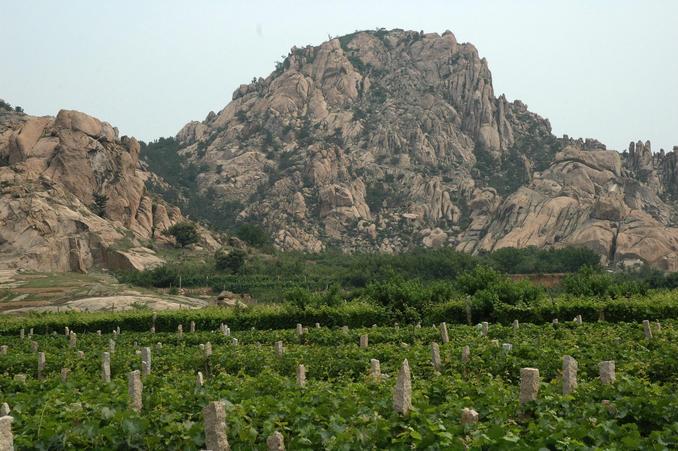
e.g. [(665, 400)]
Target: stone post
[(152, 329), (279, 349), (6, 437), (570, 367), (106, 367), (34, 346), (555, 322), (516, 324), (234, 342), (364, 341), (146, 357), (506, 347), (72, 340), (444, 337), (275, 442), (317, 325), (435, 356), (485, 327), (192, 326), (64, 374), (134, 390), (4, 409), (66, 331), (301, 375), (402, 394), (41, 365), (208, 350), (180, 330), (607, 372), (117, 330), (22, 333), (465, 354), (659, 326), (468, 416), (647, 329), (375, 370), (3, 349), (529, 384), (111, 345), (81, 354), (214, 415), (300, 330), (578, 320), (199, 380)]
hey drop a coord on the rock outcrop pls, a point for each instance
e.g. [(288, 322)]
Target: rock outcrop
[(73, 196), (384, 140)]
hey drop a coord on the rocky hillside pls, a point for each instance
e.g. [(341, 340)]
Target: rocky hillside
[(386, 140), (72, 196)]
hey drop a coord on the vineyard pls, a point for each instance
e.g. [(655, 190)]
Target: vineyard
[(333, 387)]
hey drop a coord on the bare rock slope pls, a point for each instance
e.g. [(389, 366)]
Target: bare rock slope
[(384, 140), (52, 170)]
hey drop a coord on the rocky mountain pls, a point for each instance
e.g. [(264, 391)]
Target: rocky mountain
[(385, 140), (73, 195)]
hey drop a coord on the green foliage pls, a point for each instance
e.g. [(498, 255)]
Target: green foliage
[(185, 233), (181, 175), (532, 260), (253, 235), (340, 407), (232, 261), (99, 205), (591, 282)]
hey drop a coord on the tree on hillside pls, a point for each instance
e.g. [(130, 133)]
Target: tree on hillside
[(184, 233), (232, 261)]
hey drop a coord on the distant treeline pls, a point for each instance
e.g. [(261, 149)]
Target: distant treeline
[(266, 276)]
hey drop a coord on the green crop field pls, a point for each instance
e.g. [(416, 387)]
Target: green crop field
[(341, 405)]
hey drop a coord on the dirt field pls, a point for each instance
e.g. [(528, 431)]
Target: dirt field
[(40, 292)]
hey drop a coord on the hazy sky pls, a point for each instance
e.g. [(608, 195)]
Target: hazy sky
[(606, 69)]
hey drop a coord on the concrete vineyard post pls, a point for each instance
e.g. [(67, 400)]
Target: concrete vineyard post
[(607, 372), (134, 390), (41, 365), (570, 367), (402, 394), (435, 356), (301, 375), (647, 330), (6, 436), (375, 369), (275, 442), (468, 416), (106, 367), (364, 341), (465, 354), (529, 384), (444, 337), (146, 357), (214, 415)]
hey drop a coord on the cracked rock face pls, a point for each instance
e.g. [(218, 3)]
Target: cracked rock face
[(386, 140), (51, 169)]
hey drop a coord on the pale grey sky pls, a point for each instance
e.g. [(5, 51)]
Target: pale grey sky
[(606, 69)]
